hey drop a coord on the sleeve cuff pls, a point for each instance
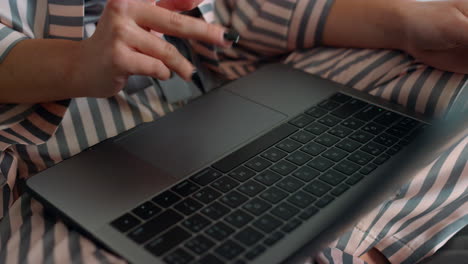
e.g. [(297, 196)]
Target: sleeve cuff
[(8, 39)]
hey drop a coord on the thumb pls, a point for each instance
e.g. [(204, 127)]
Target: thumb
[(179, 5)]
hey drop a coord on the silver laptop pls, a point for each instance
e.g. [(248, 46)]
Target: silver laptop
[(267, 169)]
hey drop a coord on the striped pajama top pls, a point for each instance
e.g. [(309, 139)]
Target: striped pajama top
[(408, 227)]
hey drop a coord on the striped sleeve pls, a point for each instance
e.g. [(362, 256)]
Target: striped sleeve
[(274, 27), (8, 39)]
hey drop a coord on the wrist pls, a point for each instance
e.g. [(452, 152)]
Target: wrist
[(377, 24)]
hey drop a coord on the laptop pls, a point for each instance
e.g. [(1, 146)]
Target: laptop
[(267, 169)]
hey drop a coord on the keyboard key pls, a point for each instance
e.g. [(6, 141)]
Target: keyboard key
[(321, 164), (324, 201), (381, 159), (301, 199), (215, 211), (332, 177), (225, 184), (368, 113), (268, 177), (317, 188), (167, 241), (290, 184), (288, 145), (251, 188), (327, 140), (196, 223), (373, 128), (352, 123), (185, 188), (155, 226), (355, 179), (238, 218), (308, 213), (303, 137), (267, 223), (256, 206), (125, 223), (394, 150), (200, 244), (329, 120), (146, 210), (316, 128), (255, 252), (313, 149), (388, 118), (258, 164), (273, 195), (347, 167), (234, 199), (219, 231), (301, 121), (248, 236), (229, 250), (366, 170), (348, 145), (166, 199), (256, 147), (361, 136), (179, 256), (340, 189), (188, 206), (340, 98), (349, 108), (316, 112), (207, 195), (206, 176), (285, 211), (329, 105), (291, 225), (373, 148), (306, 174), (299, 158), (335, 154), (360, 157), (283, 167), (398, 131), (274, 154), (340, 131), (211, 259), (273, 239), (386, 140), (408, 123)]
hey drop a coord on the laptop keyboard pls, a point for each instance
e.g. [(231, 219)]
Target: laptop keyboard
[(251, 199)]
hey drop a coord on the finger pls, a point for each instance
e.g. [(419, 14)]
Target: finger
[(160, 49), (175, 24), (141, 64), (179, 5)]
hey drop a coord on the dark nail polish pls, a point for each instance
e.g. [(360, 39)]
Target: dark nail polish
[(194, 75), (231, 35)]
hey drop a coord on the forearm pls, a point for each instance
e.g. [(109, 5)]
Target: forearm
[(39, 70), (365, 24)]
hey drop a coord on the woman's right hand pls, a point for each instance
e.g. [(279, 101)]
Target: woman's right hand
[(123, 45)]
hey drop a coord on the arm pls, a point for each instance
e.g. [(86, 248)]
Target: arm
[(434, 32), (47, 70)]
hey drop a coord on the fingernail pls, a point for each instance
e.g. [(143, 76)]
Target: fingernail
[(231, 35), (194, 75)]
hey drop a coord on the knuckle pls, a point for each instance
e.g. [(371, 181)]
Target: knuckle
[(120, 30), (169, 51), (175, 19), (118, 6)]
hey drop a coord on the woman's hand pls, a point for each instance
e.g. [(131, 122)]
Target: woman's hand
[(436, 32), (123, 45)]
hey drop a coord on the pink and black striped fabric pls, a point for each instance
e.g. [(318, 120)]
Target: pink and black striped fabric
[(409, 226)]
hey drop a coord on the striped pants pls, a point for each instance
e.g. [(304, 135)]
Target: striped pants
[(409, 226)]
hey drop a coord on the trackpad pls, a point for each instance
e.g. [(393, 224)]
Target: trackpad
[(200, 133)]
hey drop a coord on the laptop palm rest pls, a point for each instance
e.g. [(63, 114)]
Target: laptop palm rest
[(99, 184)]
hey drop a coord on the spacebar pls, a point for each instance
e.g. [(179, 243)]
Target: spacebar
[(245, 153)]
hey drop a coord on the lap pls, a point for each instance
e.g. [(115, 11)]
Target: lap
[(28, 233)]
